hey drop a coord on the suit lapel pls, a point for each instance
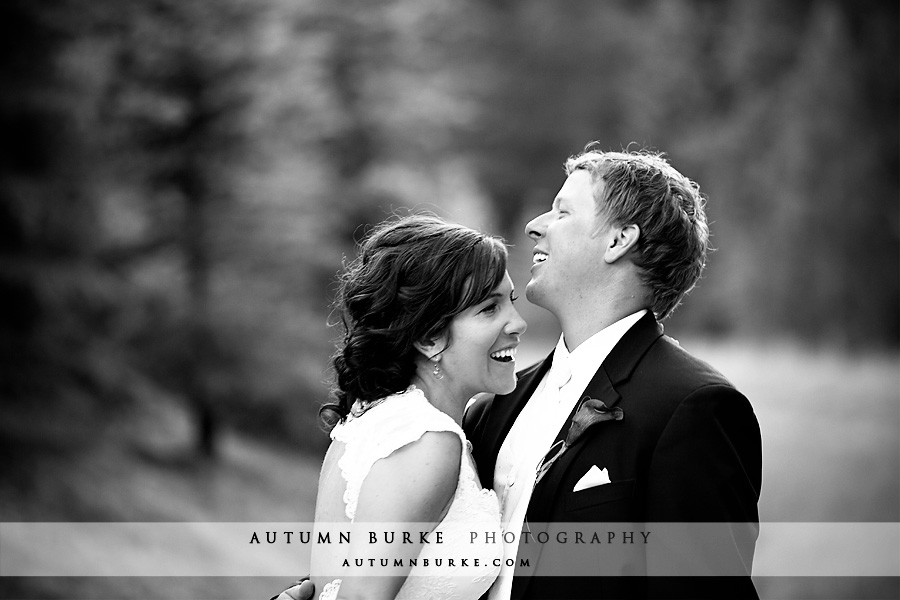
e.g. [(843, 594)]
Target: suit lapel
[(621, 362), (626, 354), (501, 416), (619, 365), (616, 368), (546, 493)]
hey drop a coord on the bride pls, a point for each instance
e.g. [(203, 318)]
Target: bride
[(429, 322)]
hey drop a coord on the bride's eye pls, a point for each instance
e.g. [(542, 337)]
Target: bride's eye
[(489, 309)]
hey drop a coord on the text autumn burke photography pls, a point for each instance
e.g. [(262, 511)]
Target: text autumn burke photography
[(428, 537)]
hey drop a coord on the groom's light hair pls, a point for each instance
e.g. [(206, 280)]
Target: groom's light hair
[(642, 188)]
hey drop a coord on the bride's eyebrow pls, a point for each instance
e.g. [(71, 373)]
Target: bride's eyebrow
[(491, 296)]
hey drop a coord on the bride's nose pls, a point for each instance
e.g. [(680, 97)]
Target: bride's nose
[(516, 325)]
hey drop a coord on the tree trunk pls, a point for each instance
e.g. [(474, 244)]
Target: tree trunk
[(197, 261)]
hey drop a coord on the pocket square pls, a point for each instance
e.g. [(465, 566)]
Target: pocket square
[(594, 477)]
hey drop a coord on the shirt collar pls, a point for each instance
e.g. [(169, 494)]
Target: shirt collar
[(591, 353)]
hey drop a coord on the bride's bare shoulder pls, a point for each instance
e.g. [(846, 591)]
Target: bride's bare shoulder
[(415, 483)]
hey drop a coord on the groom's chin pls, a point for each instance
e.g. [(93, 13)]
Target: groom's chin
[(533, 293)]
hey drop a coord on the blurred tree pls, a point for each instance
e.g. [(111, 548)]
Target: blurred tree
[(181, 179), (58, 302), (794, 156), (180, 89), (392, 73), (545, 78), (782, 111)]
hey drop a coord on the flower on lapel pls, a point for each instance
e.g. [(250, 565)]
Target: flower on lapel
[(590, 411)]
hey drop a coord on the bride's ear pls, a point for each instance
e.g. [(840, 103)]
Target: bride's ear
[(431, 348)]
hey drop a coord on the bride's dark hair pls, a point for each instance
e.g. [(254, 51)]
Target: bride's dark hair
[(411, 277)]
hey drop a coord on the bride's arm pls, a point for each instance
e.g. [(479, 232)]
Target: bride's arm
[(414, 486)]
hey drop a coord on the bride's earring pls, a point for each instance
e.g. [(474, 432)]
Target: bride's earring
[(436, 371)]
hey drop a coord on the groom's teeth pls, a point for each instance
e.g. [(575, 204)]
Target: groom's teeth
[(539, 257), (505, 355)]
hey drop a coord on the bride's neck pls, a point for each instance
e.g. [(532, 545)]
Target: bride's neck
[(441, 395)]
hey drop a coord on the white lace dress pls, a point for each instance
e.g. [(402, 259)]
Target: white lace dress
[(400, 420)]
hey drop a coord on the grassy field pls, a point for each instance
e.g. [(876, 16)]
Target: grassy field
[(830, 424), (831, 453)]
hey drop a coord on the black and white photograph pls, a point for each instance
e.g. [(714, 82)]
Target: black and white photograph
[(476, 300)]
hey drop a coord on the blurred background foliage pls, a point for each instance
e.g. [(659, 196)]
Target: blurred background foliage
[(181, 178)]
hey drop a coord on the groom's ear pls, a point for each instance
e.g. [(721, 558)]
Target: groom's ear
[(623, 239)]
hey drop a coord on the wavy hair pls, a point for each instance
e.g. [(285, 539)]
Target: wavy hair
[(642, 188), (412, 275)]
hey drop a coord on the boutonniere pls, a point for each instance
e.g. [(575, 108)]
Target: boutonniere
[(590, 411)]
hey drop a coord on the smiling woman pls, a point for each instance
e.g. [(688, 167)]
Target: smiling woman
[(477, 353), (405, 300), (429, 321)]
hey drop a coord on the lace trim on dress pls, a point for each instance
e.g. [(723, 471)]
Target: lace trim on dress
[(401, 420), (330, 590), (382, 429)]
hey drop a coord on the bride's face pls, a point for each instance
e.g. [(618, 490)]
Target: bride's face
[(483, 341)]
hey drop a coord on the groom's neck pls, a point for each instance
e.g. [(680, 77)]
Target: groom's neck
[(582, 322)]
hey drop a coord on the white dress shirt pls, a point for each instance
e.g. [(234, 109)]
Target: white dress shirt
[(537, 426)]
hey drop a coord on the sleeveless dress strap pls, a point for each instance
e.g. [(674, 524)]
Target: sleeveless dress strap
[(399, 420)]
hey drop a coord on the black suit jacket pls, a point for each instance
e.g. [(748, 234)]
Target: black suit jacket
[(688, 450)]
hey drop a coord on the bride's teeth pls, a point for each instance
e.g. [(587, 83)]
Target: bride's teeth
[(538, 257), (505, 355)]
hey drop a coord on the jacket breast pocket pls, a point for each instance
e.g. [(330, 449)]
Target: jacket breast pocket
[(610, 492)]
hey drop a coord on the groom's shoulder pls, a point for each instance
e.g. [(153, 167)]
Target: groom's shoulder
[(668, 361), (672, 380)]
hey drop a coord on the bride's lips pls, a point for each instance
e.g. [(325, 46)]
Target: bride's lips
[(538, 257)]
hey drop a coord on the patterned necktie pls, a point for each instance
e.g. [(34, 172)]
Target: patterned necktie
[(560, 374), (552, 454)]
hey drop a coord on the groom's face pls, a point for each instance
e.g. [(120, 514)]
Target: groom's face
[(570, 239)]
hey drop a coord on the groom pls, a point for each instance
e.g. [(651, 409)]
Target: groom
[(672, 441)]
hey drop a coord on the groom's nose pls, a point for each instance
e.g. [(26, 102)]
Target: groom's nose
[(537, 226)]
